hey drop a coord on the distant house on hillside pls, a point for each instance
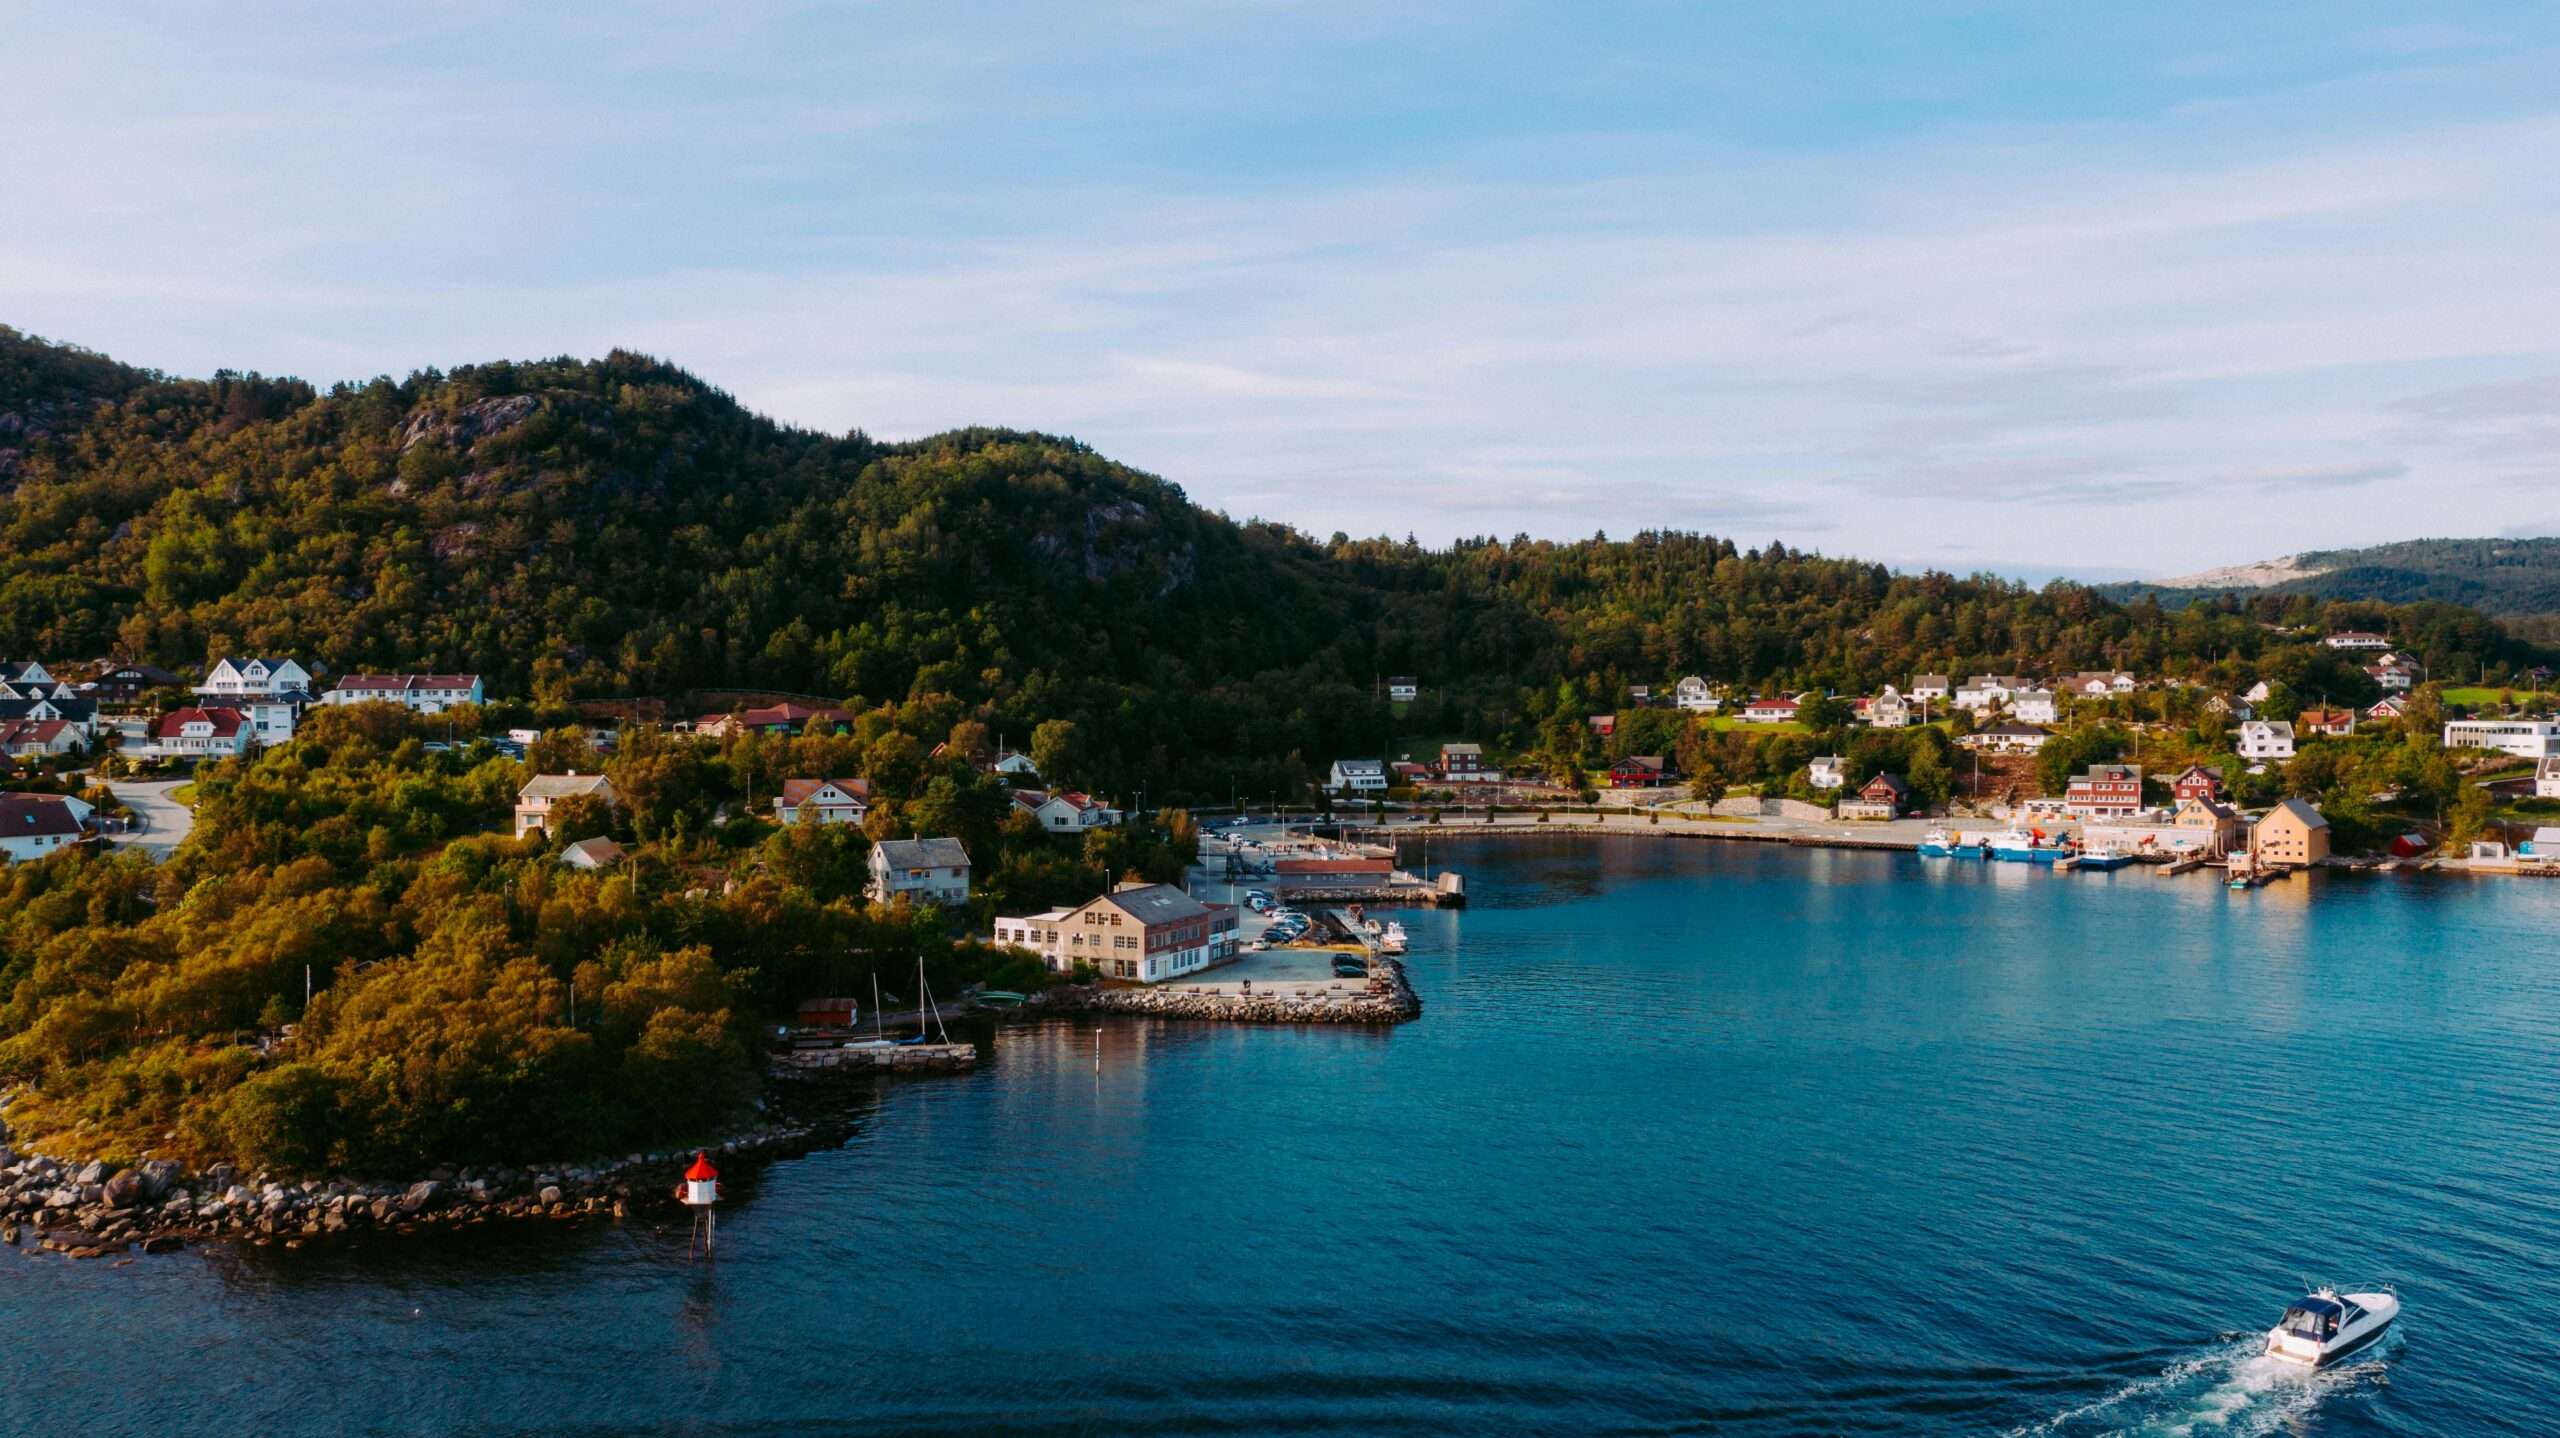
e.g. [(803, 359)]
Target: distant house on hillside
[(2389, 706), (1603, 725), (420, 693), (1929, 689), (35, 825), (2032, 705), (1777, 709), (592, 854), (1066, 811), (1358, 776), (127, 682), (2546, 779), (1465, 764), (243, 678), (1403, 689), (2330, 723), (822, 801), (2197, 781), (1695, 695), (535, 800), (2265, 739), (1889, 710), (195, 733), (1640, 771), (1829, 771), (777, 719), (924, 871), (2356, 640), (2006, 739), (37, 738)]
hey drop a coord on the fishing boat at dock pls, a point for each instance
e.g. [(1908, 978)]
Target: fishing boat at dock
[(1941, 844), (2024, 846)]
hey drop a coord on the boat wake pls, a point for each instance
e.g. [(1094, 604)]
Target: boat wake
[(2231, 1389)]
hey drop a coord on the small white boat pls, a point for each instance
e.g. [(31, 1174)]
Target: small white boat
[(2328, 1325), (1392, 941)]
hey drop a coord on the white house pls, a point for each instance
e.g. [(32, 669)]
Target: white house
[(424, 693), (2524, 738), (2266, 739), (1889, 710), (2546, 779), (1830, 771), (822, 801), (241, 678), (1985, 692), (1695, 695), (1065, 811), (542, 791), (34, 825), (2259, 693), (1015, 765), (1142, 932), (1929, 688), (2033, 706), (925, 871), (34, 708), (2006, 739), (1358, 776), (1403, 689), (592, 854), (196, 733), (2356, 639), (1777, 709), (15, 672), (37, 738)]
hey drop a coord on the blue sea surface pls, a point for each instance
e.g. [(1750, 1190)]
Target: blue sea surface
[(1692, 1138)]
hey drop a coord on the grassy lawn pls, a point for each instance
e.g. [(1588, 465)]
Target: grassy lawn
[(2474, 697), (184, 795)]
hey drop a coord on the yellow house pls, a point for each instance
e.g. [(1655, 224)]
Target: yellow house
[(2290, 835)]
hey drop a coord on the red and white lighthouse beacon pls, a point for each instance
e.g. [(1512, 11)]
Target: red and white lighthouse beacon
[(699, 1191)]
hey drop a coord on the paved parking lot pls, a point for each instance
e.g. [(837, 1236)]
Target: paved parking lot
[(1280, 969)]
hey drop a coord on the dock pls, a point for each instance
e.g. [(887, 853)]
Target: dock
[(896, 1058)]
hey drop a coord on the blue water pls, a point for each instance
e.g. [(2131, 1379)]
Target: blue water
[(1692, 1138)]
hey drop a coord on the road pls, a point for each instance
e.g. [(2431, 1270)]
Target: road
[(160, 822)]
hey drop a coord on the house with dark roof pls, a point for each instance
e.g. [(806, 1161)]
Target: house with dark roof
[(1885, 796), (923, 871), (1143, 933), (35, 825)]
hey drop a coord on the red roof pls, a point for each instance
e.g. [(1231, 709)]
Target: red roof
[(225, 722), (701, 1169), (24, 816), (796, 792)]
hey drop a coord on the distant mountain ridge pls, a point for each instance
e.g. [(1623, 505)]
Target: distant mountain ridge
[(2513, 578)]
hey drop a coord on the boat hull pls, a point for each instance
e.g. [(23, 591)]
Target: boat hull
[(2381, 1310), (2026, 856)]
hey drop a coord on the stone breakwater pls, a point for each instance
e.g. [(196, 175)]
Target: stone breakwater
[(1388, 998), (99, 1210)]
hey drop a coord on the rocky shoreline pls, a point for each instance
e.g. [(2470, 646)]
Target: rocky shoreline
[(1388, 999), (98, 1210)]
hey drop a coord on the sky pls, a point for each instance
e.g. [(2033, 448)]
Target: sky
[(2101, 290)]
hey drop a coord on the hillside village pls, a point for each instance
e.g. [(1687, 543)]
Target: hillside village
[(2164, 766)]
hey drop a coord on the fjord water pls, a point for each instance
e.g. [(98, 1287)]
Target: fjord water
[(1691, 1138)]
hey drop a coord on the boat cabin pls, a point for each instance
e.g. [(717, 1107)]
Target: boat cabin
[(2319, 1319)]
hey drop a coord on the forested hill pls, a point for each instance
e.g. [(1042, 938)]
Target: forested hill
[(2508, 577), (617, 527)]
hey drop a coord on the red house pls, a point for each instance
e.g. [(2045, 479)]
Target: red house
[(2105, 791), (1639, 771), (2198, 781), (1604, 725)]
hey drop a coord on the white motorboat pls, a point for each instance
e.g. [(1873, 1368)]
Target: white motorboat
[(1393, 939), (2328, 1325)]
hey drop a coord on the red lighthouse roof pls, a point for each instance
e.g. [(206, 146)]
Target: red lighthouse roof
[(701, 1169)]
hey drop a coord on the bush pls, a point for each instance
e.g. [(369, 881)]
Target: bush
[(285, 1119)]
